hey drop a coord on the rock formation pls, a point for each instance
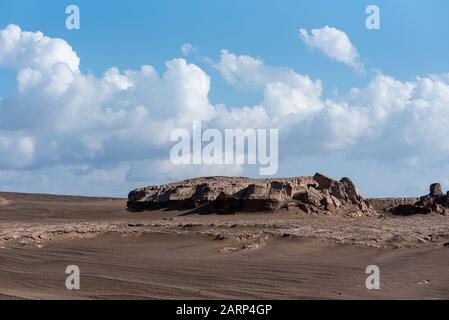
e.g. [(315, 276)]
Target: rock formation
[(434, 202), (317, 194)]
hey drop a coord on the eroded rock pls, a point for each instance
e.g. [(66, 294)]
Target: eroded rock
[(317, 194), (435, 202)]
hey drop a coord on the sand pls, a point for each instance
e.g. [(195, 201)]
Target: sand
[(179, 255), (3, 201)]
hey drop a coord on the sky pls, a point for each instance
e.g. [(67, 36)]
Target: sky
[(90, 111)]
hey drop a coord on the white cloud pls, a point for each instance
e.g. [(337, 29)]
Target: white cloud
[(16, 150), (285, 91), (188, 48), (20, 50), (65, 131), (333, 43), (74, 118)]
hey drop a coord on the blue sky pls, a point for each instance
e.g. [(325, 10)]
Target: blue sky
[(412, 42), (128, 34)]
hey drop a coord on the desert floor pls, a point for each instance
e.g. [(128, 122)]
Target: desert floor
[(179, 254)]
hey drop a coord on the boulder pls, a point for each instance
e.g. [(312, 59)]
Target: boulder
[(323, 181), (351, 191), (337, 202), (435, 190), (339, 192)]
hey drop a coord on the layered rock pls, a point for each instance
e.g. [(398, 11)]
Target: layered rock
[(317, 194), (435, 202)]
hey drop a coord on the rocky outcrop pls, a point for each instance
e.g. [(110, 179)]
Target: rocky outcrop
[(317, 194), (435, 202)]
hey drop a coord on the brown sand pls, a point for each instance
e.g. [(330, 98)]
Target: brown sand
[(181, 255), (3, 201)]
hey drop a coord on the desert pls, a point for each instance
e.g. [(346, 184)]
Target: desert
[(226, 238), (221, 151)]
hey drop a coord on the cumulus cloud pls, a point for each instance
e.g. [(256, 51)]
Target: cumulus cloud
[(60, 116), (333, 43), (284, 90), (21, 50), (62, 130), (394, 118)]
